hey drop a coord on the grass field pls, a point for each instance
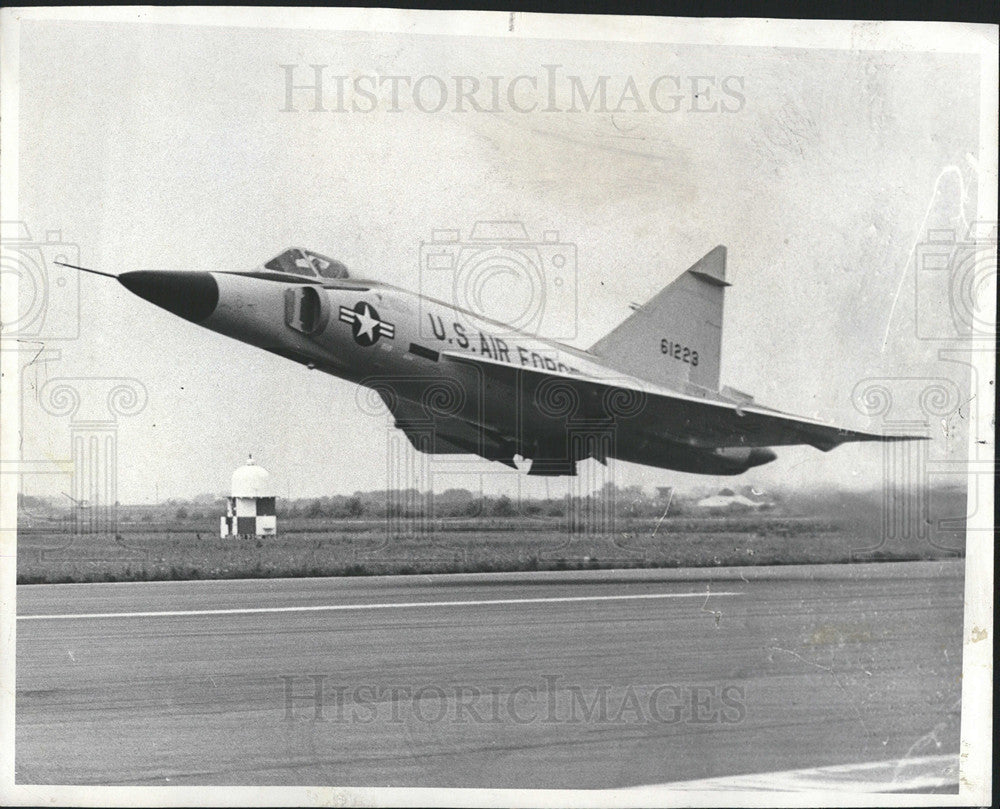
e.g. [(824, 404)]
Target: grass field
[(329, 547)]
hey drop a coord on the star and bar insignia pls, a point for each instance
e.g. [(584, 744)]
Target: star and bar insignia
[(366, 325)]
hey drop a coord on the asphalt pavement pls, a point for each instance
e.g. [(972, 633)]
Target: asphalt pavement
[(590, 680)]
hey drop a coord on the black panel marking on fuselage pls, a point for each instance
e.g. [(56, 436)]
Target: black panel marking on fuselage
[(426, 353)]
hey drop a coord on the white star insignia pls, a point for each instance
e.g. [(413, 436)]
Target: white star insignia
[(366, 323)]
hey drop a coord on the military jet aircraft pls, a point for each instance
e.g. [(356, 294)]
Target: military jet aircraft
[(458, 383)]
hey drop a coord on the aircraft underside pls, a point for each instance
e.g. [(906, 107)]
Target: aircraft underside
[(554, 442)]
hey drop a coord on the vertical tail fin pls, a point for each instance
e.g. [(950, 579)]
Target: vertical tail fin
[(677, 335)]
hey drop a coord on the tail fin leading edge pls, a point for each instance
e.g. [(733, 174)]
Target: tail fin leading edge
[(677, 335)]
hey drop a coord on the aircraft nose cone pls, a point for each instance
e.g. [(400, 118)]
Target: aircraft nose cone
[(192, 295)]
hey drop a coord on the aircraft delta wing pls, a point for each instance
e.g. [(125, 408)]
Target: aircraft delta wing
[(681, 419), (623, 417)]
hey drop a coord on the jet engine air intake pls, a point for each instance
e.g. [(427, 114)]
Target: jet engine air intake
[(306, 310)]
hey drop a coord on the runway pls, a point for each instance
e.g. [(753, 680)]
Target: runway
[(603, 679)]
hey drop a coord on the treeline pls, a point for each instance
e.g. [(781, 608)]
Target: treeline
[(629, 501), (626, 502)]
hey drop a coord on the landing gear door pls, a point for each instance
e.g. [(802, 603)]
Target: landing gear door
[(306, 310)]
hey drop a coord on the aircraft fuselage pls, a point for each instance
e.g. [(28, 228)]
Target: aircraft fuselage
[(406, 347)]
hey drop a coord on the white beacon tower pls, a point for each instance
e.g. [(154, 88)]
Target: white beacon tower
[(250, 509)]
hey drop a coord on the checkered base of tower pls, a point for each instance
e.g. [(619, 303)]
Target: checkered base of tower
[(249, 516)]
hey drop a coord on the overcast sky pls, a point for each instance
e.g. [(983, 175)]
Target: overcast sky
[(167, 147)]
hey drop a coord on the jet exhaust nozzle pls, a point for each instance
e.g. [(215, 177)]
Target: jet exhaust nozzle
[(760, 456), (191, 295), (735, 460)]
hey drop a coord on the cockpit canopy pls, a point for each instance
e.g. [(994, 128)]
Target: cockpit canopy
[(306, 263)]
